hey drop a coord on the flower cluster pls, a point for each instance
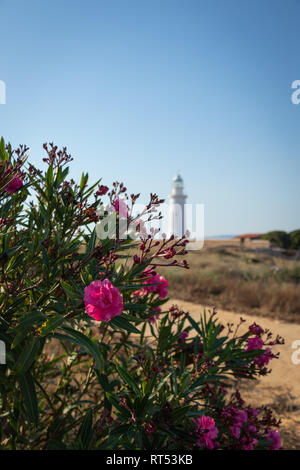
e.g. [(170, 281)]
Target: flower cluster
[(274, 438), (102, 190), (161, 253), (176, 312), (247, 427), (239, 420), (150, 427), (15, 184), (156, 311), (120, 207), (206, 432), (56, 158), (11, 177), (257, 343), (154, 284), (160, 288), (102, 300), (6, 221)]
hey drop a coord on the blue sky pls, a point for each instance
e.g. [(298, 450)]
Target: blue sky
[(138, 90)]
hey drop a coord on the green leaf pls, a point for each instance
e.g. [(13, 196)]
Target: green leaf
[(62, 176), (141, 405), (29, 397), (83, 181), (136, 286), (92, 242), (126, 377), (30, 320), (120, 430), (194, 324), (179, 412), (21, 334), (86, 433), (69, 290), (87, 193), (3, 154), (49, 178), (121, 322), (52, 324), (55, 445), (45, 259), (115, 402), (82, 340), (27, 356), (163, 381), (103, 381)]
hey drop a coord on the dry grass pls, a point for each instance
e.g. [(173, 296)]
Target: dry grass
[(241, 280)]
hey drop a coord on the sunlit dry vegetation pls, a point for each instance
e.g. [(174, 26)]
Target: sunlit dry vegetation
[(240, 279)]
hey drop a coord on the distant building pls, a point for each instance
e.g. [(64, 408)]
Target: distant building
[(176, 215), (250, 237)]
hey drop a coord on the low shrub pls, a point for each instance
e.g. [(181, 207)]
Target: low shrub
[(93, 359)]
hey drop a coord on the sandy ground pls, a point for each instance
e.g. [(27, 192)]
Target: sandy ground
[(281, 388)]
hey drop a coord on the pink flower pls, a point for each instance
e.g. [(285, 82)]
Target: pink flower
[(102, 190), (240, 417), (183, 335), (138, 293), (274, 438), (249, 443), (235, 431), (140, 227), (149, 428), (160, 288), (169, 253), (15, 184), (206, 431), (252, 412), (264, 359), (136, 259), (102, 300), (156, 316), (256, 329), (149, 273), (254, 343), (251, 428), (157, 310), (120, 206)]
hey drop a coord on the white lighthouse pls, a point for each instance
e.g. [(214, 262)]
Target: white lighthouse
[(176, 215)]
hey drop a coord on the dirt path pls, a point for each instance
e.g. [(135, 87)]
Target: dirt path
[(285, 373), (281, 388)]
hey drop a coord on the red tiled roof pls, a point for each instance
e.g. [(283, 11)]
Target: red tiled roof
[(250, 235)]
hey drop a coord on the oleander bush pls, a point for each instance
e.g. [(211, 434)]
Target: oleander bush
[(94, 359)]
